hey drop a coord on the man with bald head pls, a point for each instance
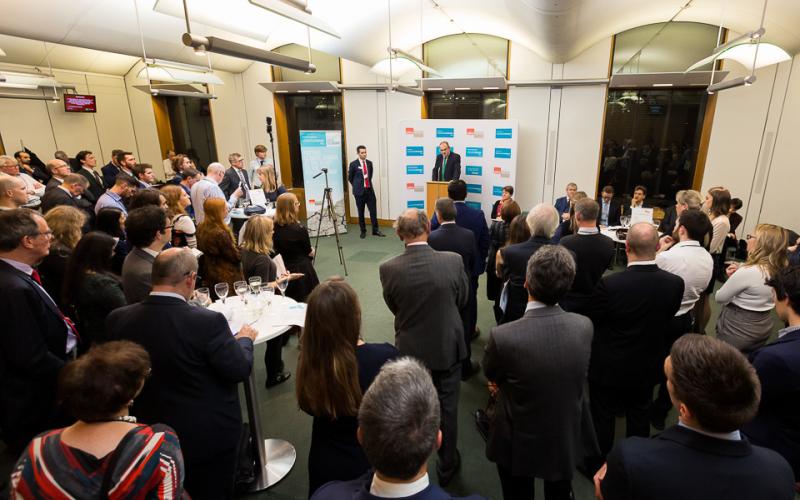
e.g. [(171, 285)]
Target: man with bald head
[(58, 171), (630, 310), (13, 193), (208, 188), (425, 290)]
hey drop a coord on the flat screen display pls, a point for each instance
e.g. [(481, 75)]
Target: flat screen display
[(77, 103)]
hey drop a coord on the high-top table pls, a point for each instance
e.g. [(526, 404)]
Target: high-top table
[(275, 457)]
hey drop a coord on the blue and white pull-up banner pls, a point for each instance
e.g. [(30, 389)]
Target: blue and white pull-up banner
[(322, 149), (488, 150)]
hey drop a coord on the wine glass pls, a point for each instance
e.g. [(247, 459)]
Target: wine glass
[(283, 284), (625, 220), (221, 289), (255, 284), (268, 291), (241, 287), (203, 296)]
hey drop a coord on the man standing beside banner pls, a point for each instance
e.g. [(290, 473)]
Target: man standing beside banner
[(448, 164), (360, 176)]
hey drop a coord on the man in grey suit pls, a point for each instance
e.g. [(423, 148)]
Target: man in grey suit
[(425, 290), (542, 426), (148, 230)]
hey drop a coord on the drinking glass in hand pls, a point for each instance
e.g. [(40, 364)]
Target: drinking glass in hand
[(240, 287), (203, 296), (283, 284), (221, 289)]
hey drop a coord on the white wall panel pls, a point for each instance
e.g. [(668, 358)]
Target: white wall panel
[(530, 107), (258, 104), (525, 64), (113, 118), (26, 122), (228, 116), (363, 124), (146, 146), (74, 132), (591, 63), (399, 107)]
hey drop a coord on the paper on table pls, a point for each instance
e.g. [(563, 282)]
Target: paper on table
[(641, 215), (257, 197), (281, 267), (292, 314)]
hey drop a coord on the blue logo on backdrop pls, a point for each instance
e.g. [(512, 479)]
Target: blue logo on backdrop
[(497, 190), (415, 169), (473, 204), (502, 152), (445, 132), (415, 151), (502, 133), (474, 170), (475, 152), (474, 188), (312, 139), (420, 204)]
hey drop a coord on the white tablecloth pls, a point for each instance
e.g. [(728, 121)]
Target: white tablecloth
[(268, 322)]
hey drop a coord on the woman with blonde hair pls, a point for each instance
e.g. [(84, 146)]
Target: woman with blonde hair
[(294, 246), (272, 189), (66, 223), (746, 320), (335, 368), (183, 228), (221, 259)]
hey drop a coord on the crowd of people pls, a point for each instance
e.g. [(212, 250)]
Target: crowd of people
[(111, 362)]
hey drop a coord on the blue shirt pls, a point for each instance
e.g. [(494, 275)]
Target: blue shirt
[(110, 199), (203, 190)]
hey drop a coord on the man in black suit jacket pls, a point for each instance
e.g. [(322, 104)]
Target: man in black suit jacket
[(593, 253), (637, 200), (449, 237), (234, 177), (610, 210), (197, 364), (363, 191), (110, 170), (630, 311), (68, 193), (451, 162), (35, 338), (542, 220), (95, 189), (425, 290), (716, 391)]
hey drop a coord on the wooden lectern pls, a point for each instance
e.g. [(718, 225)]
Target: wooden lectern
[(434, 190)]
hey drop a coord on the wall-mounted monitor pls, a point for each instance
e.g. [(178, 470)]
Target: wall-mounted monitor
[(77, 103)]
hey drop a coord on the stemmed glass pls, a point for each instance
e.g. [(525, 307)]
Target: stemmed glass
[(241, 287), (255, 284), (203, 296), (221, 289), (268, 292), (625, 220), (283, 284)]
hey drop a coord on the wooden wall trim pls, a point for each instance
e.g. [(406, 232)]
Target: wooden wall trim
[(705, 139)]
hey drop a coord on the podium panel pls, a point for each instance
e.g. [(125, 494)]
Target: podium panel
[(433, 191)]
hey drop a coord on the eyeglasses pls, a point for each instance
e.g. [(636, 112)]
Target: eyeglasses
[(750, 237), (168, 227), (48, 234)]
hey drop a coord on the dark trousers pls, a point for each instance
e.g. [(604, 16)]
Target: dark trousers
[(272, 357), (523, 487), (448, 385), (213, 478), (470, 319), (609, 401), (368, 199), (678, 326)]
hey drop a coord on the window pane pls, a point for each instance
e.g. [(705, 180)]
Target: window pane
[(651, 138), (327, 65), (310, 112), (677, 47), (467, 105), (455, 56)]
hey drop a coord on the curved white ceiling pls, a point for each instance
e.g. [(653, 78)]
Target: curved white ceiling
[(558, 30)]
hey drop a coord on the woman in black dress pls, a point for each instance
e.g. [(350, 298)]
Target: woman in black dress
[(334, 370), (66, 223), (294, 246), (498, 234)]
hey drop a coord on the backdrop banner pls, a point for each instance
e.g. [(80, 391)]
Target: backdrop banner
[(322, 149), (488, 150)]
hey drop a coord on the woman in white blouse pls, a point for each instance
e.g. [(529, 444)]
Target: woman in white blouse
[(718, 203), (746, 320), (183, 228)]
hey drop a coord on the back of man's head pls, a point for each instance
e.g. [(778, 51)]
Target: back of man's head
[(543, 220), (642, 241), (399, 419), (697, 225), (16, 224), (124, 180), (8, 183), (189, 173), (457, 190), (786, 284), (143, 223), (586, 210), (550, 273), (715, 381), (412, 224), (76, 179), (446, 210), (172, 266), (215, 168)]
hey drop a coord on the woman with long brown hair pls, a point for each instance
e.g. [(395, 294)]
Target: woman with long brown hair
[(272, 188), (294, 246), (183, 228), (334, 370), (746, 320), (221, 259)]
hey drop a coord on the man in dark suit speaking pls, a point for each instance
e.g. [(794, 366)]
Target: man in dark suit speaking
[(197, 364), (425, 290), (359, 173), (448, 164)]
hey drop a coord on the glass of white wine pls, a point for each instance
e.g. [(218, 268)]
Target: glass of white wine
[(241, 287), (221, 289)]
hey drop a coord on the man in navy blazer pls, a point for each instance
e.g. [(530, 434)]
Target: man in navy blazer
[(451, 161), (398, 428), (705, 456), (562, 204), (197, 364), (363, 191), (777, 425), (35, 338)]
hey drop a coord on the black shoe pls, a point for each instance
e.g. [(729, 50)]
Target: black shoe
[(278, 379), (468, 370), (446, 477), (378, 233), (363, 234)]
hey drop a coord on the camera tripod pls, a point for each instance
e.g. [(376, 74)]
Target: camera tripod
[(327, 203)]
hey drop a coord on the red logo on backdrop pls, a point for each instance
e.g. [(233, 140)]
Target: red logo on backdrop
[(498, 170), (470, 131), (410, 130), (410, 185), (313, 202)]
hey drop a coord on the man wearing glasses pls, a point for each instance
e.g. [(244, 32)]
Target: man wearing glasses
[(235, 177)]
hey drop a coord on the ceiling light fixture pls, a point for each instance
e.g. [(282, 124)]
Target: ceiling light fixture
[(742, 81), (181, 93), (233, 49), (168, 71), (298, 11)]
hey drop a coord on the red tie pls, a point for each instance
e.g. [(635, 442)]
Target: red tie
[(36, 277), (366, 175), (70, 324)]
